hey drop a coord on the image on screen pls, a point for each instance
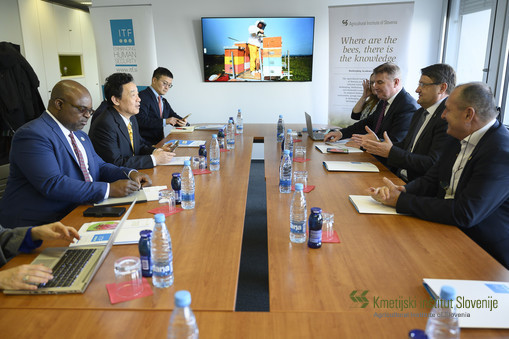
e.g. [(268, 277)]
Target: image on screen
[(258, 49)]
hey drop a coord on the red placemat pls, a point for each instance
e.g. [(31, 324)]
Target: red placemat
[(115, 298), (332, 238), (224, 150), (300, 160), (164, 209), (306, 189), (201, 171), (297, 140)]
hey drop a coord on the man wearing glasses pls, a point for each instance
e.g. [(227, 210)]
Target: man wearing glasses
[(423, 144), (54, 168), (155, 111)]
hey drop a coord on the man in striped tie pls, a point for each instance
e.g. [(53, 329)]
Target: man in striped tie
[(155, 111), (115, 134), (53, 165)]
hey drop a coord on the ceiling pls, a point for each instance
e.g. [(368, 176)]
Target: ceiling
[(76, 4)]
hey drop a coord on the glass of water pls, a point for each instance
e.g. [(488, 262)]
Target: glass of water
[(328, 225), (300, 177), (167, 196)]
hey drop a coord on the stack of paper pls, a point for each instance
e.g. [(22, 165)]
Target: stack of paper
[(184, 129), (211, 127), (350, 166), (188, 143), (176, 161), (98, 232), (366, 204)]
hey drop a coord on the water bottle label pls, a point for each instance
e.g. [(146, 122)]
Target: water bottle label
[(214, 162), (230, 141), (285, 183), (145, 262), (163, 269), (298, 227), (315, 236), (239, 127), (187, 196)]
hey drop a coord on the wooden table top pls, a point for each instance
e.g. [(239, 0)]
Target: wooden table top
[(388, 255), (206, 241)]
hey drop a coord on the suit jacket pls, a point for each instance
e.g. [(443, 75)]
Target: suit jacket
[(427, 148), (45, 180), (396, 120), (10, 241), (110, 138), (481, 203), (149, 120)]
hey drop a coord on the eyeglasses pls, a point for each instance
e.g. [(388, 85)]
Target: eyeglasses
[(81, 109), (166, 84), (424, 84)]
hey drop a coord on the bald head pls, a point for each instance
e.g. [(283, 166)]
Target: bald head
[(70, 104)]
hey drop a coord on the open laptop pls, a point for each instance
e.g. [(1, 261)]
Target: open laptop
[(84, 264), (318, 135)]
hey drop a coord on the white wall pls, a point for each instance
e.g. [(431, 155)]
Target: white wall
[(178, 40), (10, 25)]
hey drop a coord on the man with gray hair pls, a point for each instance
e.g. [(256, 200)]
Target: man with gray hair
[(393, 113), (468, 186)]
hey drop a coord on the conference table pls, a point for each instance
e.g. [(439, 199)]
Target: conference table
[(309, 289)]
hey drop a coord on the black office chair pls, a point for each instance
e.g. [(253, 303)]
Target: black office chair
[(4, 173)]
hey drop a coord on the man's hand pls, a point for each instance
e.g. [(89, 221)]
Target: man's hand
[(388, 194), (332, 136), (172, 121), (380, 148), (25, 277), (54, 231), (162, 156), (142, 179), (181, 123), (122, 188)]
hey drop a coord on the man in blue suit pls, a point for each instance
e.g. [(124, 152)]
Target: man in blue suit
[(54, 168), (468, 186), (155, 111), (392, 115), (423, 144)]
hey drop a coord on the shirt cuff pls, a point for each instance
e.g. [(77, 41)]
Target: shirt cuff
[(28, 244), (153, 159), (107, 191)]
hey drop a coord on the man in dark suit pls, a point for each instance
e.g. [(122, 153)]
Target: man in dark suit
[(115, 134), (468, 186), (53, 165), (155, 111), (392, 115), (421, 148)]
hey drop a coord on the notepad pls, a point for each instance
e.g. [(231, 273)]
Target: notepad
[(184, 129), (211, 127), (323, 148), (175, 161), (350, 166), (365, 204), (139, 195), (475, 298), (188, 143), (98, 232)]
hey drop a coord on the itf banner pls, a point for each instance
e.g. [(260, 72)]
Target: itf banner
[(124, 37), (361, 38)]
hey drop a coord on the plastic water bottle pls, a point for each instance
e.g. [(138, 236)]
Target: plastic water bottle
[(240, 123), (182, 320), (298, 215), (220, 138), (315, 228), (214, 153), (230, 135), (442, 324), (162, 255), (187, 193), (280, 133), (285, 173), (288, 143)]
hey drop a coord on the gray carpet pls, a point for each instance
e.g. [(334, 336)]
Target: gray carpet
[(253, 286)]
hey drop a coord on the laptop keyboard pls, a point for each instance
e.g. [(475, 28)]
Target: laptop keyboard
[(69, 267)]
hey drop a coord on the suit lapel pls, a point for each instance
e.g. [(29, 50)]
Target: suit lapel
[(58, 132), (122, 127)]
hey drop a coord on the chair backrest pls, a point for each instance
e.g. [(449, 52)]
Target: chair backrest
[(4, 173)]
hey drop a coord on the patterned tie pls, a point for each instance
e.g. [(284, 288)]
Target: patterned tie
[(130, 130), (380, 117), (81, 161), (160, 106)]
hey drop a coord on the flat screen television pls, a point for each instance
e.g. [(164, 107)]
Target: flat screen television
[(258, 49)]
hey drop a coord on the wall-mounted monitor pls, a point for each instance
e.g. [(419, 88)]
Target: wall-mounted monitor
[(258, 49)]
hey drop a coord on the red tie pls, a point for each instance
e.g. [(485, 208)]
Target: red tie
[(380, 117), (160, 106), (81, 161)]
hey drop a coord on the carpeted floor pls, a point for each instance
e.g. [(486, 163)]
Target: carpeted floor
[(253, 286)]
